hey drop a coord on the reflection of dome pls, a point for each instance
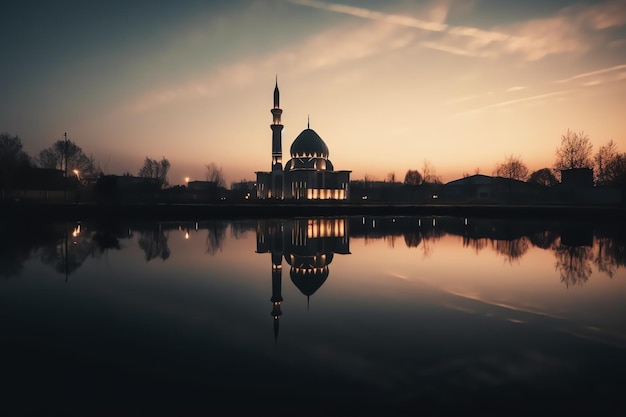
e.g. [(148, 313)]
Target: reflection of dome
[(308, 280), (309, 144), (309, 272)]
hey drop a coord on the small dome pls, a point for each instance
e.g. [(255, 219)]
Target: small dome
[(309, 144)]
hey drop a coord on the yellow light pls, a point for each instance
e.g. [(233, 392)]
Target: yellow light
[(186, 235)]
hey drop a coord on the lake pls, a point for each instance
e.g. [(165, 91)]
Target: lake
[(314, 316)]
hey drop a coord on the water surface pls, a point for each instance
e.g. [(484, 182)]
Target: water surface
[(357, 316)]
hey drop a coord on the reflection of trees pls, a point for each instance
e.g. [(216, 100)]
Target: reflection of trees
[(239, 229), (154, 244), (412, 238), (216, 233), (544, 240), (68, 254), (424, 237), (512, 249), (610, 255), (574, 263), (476, 244)]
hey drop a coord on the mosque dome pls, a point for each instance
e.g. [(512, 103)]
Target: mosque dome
[(308, 144), (318, 164)]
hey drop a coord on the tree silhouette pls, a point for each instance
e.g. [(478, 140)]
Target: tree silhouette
[(12, 159), (66, 155), (156, 169), (574, 152), (543, 176), (215, 174), (413, 177), (429, 173), (513, 167), (610, 166)]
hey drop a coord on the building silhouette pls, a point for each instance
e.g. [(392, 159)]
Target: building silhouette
[(308, 175)]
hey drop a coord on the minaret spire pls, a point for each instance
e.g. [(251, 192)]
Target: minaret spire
[(308, 121), (277, 151), (276, 97)]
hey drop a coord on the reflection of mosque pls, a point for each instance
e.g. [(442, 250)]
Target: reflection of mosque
[(308, 246)]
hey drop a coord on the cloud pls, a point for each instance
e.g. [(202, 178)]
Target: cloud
[(534, 39), (507, 103), (515, 88), (594, 73), (325, 50), (449, 49), (374, 15)]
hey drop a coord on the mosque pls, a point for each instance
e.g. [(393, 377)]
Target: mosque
[(308, 175)]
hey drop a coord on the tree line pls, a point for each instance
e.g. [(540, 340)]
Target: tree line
[(66, 156), (575, 151)]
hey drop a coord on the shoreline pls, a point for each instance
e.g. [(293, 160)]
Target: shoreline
[(227, 211)]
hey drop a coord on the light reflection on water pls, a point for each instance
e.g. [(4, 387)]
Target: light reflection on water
[(406, 314)]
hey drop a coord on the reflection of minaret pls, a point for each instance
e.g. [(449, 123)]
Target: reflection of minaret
[(277, 153), (277, 298), (308, 246), (270, 240)]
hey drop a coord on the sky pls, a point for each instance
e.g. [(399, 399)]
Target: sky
[(387, 84)]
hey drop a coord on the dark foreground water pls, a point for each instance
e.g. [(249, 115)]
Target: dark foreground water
[(341, 316)]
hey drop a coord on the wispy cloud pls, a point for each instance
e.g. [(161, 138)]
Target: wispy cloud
[(593, 73), (507, 103), (515, 88), (566, 32), (325, 50), (374, 15)]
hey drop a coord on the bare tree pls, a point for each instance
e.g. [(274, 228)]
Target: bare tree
[(429, 173), (215, 174), (156, 169), (66, 155), (391, 177), (543, 176), (513, 167), (609, 165), (574, 152)]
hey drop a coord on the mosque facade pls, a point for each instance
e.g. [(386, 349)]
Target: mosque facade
[(308, 175)]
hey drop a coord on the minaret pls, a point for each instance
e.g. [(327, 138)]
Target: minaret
[(277, 128)]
